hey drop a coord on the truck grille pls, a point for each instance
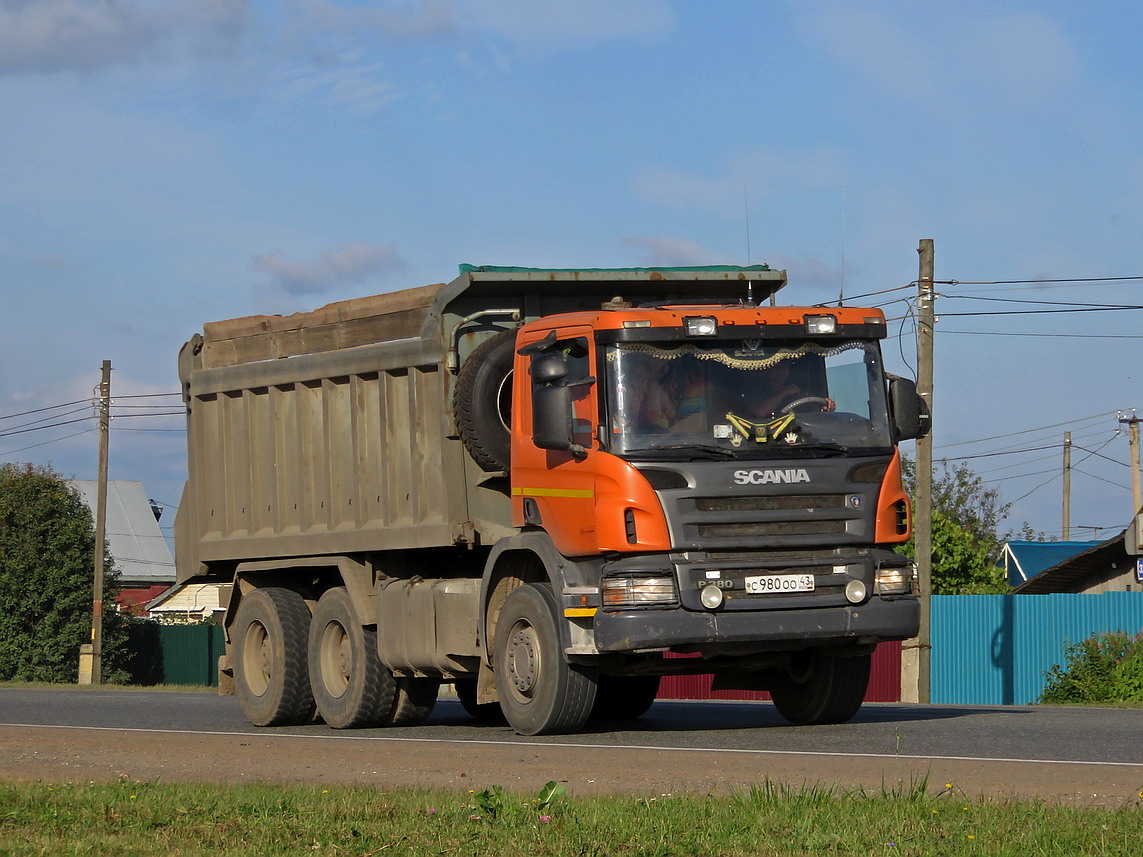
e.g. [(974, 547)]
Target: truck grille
[(770, 528), (781, 503)]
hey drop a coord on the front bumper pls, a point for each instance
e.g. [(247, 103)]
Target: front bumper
[(878, 619)]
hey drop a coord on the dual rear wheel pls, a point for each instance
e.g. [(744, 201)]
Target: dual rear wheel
[(289, 664)]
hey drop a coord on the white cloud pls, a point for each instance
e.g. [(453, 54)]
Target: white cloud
[(340, 266), (87, 35), (665, 252), (357, 86)]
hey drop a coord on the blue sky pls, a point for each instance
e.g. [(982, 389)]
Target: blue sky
[(165, 163)]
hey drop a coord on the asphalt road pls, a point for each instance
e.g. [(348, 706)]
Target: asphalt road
[(1079, 755)]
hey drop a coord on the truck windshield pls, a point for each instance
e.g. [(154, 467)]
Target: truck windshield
[(746, 400)]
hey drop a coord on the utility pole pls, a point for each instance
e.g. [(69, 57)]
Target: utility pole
[(1136, 501), (91, 673), (1067, 529), (915, 661)]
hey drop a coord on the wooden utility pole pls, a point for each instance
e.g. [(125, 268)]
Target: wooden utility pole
[(1067, 529), (1136, 499), (94, 675), (915, 657)]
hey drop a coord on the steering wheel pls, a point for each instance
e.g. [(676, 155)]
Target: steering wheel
[(805, 400)]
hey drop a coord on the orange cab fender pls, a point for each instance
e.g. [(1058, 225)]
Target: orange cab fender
[(629, 515), (894, 515)]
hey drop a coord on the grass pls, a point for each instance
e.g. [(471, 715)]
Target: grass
[(143, 818)]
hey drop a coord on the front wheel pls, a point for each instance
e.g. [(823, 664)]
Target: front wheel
[(540, 692), (819, 689)]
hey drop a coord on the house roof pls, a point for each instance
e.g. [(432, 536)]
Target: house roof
[(1024, 560), (1069, 574), (137, 544)]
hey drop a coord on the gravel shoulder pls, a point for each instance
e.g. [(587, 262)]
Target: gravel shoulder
[(62, 754)]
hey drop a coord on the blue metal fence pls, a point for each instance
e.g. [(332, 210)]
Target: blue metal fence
[(995, 649)]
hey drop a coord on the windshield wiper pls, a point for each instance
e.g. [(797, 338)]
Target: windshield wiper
[(816, 450), (692, 450)]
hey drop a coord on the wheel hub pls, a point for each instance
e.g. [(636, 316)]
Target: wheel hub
[(523, 659)]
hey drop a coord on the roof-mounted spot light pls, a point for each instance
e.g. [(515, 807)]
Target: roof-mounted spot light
[(700, 325), (818, 324)]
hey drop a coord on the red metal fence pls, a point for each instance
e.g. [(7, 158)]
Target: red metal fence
[(884, 681)]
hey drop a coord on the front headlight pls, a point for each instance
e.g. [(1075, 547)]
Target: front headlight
[(619, 592), (895, 581)]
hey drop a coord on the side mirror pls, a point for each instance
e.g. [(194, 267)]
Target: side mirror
[(911, 418), (551, 403), (551, 417)]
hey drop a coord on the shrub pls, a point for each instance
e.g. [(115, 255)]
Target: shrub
[(1103, 668)]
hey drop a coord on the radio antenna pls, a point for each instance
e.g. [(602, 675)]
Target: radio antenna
[(746, 212)]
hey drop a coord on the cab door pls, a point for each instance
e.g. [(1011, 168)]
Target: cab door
[(554, 488)]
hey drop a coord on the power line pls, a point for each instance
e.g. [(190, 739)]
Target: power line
[(1041, 311), (48, 408), (46, 442), (1104, 457), (1042, 303), (1043, 335), (41, 428), (1072, 422)]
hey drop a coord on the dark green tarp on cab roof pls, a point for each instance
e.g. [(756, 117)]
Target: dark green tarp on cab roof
[(508, 269)]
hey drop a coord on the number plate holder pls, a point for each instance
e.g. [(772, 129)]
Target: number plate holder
[(779, 584)]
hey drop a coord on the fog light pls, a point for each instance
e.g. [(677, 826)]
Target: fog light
[(855, 591), (894, 581), (711, 597)]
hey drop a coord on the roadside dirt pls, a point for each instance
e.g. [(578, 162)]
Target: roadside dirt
[(76, 755)]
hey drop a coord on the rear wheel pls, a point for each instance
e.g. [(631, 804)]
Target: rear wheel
[(624, 697), (819, 689), (351, 686), (540, 693), (271, 678), (413, 701)]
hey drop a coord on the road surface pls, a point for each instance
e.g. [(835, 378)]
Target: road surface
[(1075, 755)]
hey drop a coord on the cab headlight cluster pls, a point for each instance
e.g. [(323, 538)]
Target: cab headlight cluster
[(900, 580), (642, 591)]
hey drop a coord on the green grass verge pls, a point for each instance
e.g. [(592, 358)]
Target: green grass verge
[(145, 818)]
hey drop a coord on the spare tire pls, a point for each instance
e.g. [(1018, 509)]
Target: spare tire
[(482, 401)]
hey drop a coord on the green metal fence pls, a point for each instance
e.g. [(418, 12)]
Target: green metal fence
[(176, 654)]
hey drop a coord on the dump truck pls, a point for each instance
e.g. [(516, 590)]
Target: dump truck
[(548, 489)]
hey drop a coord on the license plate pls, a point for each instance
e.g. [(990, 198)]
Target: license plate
[(769, 583)]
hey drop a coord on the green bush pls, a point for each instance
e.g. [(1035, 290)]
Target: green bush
[(1103, 668)]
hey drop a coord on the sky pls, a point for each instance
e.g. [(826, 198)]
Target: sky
[(165, 163)]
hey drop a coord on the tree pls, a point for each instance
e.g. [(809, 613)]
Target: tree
[(47, 566), (967, 543)]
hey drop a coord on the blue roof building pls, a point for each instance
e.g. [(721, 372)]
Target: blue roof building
[(1024, 560)]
